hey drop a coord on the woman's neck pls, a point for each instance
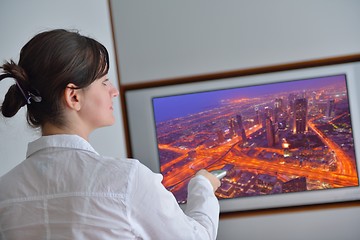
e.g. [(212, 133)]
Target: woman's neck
[(51, 129)]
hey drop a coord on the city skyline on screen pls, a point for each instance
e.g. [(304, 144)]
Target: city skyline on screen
[(272, 138)]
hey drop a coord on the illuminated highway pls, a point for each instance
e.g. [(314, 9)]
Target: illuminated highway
[(208, 140)]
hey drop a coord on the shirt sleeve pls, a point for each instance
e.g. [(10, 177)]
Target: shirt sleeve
[(154, 213), (202, 205)]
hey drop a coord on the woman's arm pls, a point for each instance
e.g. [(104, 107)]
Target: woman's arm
[(155, 214)]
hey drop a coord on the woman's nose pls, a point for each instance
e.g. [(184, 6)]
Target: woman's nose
[(114, 91)]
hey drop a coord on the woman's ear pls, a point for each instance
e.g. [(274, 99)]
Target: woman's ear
[(73, 97)]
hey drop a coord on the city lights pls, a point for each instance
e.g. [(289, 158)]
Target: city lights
[(295, 136)]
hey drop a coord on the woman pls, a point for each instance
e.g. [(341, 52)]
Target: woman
[(64, 189)]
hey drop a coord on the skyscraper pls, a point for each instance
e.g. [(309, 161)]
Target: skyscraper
[(220, 136), (330, 108), (240, 130), (300, 115), (232, 128), (278, 103), (270, 132), (278, 108), (257, 116)]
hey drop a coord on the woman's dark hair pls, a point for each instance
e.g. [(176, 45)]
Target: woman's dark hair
[(47, 64)]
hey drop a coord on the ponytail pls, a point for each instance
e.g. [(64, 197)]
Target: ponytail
[(20, 93)]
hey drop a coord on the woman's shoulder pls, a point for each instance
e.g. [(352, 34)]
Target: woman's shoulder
[(132, 168), (118, 165)]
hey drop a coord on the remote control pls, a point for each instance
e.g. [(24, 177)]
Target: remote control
[(219, 173)]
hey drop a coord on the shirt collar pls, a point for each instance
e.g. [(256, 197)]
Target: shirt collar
[(59, 140)]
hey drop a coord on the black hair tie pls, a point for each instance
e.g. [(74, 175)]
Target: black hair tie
[(28, 95)]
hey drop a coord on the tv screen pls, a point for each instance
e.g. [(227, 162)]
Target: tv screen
[(287, 138), (273, 138)]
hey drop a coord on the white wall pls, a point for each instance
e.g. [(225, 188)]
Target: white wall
[(21, 20), (162, 39)]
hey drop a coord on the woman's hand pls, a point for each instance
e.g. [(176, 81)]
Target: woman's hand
[(215, 182)]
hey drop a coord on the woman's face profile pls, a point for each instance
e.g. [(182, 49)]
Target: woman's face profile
[(97, 110)]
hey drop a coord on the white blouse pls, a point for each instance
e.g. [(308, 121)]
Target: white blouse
[(66, 190)]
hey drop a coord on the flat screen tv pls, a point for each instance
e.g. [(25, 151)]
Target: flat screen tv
[(286, 138)]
